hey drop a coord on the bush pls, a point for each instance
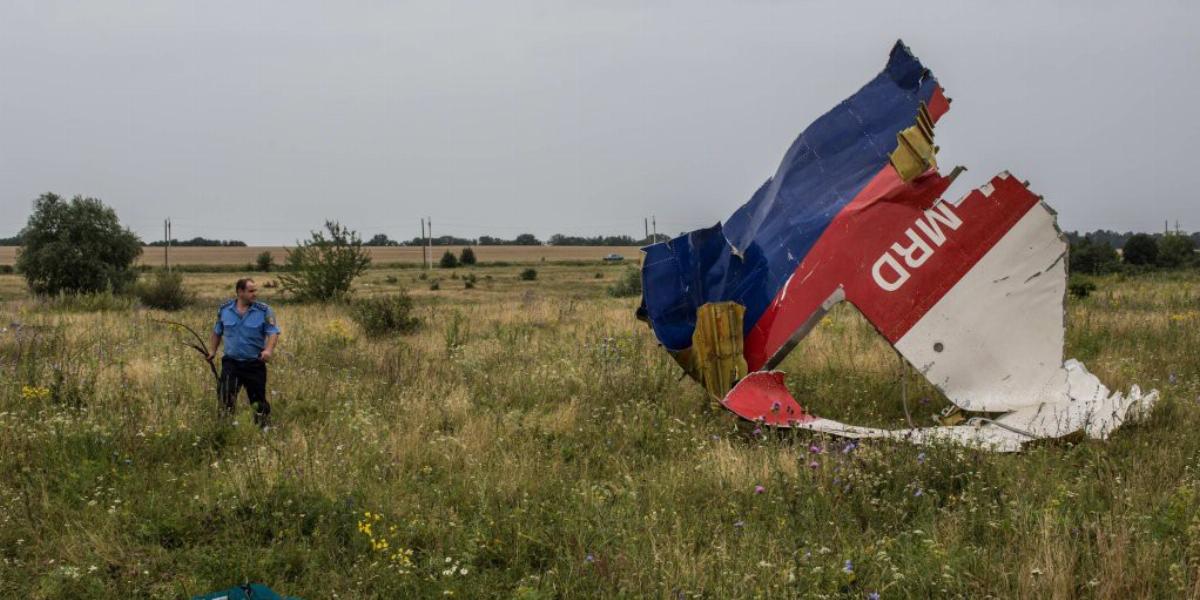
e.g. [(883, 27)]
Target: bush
[(323, 268), (164, 290), (384, 315), (76, 247), (467, 257), (435, 286), (630, 284), (265, 262), (448, 261), (6, 269), (1093, 258), (1175, 250), (1140, 249), (1080, 288), (528, 275)]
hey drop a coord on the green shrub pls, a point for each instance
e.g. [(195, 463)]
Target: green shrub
[(630, 284), (163, 290), (435, 286), (528, 275), (323, 268), (265, 262), (6, 269), (384, 315), (1080, 288), (467, 257), (391, 279), (449, 261)]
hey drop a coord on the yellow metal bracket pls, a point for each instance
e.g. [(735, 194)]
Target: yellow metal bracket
[(715, 358), (915, 152)]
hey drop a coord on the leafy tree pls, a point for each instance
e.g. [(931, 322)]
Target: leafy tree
[(264, 262), (1140, 249), (76, 247), (1175, 250), (323, 267), (467, 257), (527, 239), (381, 239), (448, 261), (1091, 257)]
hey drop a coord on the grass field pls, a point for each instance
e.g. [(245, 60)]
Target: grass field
[(532, 441), (380, 254)]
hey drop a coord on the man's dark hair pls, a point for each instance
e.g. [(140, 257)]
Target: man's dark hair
[(241, 283)]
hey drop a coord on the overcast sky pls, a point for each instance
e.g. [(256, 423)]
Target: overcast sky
[(258, 120)]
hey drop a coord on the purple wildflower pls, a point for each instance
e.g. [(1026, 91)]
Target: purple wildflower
[(921, 458), (873, 596), (589, 558), (758, 489), (848, 567), (918, 493)]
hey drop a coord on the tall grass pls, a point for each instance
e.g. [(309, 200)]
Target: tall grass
[(532, 441)]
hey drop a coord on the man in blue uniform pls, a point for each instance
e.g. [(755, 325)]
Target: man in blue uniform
[(250, 333)]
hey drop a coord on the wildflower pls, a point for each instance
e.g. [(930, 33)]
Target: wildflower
[(739, 524), (849, 447), (814, 449), (921, 458), (758, 489), (814, 464), (848, 567), (1171, 378), (873, 596), (918, 493), (757, 431), (34, 392), (589, 558)]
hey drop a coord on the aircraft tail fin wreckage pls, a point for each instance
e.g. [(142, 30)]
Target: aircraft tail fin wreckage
[(969, 293)]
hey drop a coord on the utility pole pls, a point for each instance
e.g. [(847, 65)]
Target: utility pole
[(646, 225), (429, 241), (654, 224), (167, 243), (424, 259)]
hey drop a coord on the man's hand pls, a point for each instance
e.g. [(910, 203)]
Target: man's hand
[(265, 356)]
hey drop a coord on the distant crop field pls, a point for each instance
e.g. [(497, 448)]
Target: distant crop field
[(243, 255)]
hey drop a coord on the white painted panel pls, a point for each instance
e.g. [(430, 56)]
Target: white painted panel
[(994, 341)]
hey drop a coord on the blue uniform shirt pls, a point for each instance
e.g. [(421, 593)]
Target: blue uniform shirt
[(245, 335)]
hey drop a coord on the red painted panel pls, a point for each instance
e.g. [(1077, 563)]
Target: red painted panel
[(763, 397), (866, 229)]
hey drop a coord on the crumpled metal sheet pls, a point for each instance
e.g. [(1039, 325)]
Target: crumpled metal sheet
[(971, 294)]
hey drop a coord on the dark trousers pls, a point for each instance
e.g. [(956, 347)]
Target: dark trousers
[(250, 374)]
